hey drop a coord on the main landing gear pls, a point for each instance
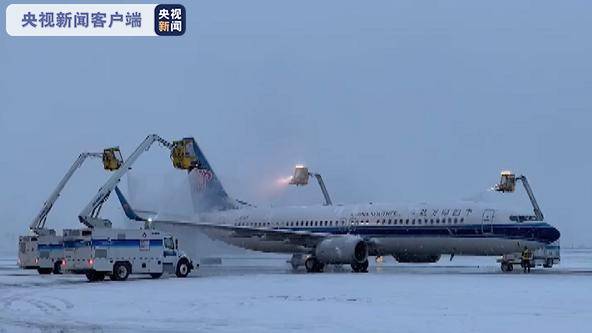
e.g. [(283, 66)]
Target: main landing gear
[(361, 267), (312, 265)]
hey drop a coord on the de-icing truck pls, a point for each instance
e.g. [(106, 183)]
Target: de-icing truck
[(117, 253)]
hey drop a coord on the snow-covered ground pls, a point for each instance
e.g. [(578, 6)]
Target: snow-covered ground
[(261, 294)]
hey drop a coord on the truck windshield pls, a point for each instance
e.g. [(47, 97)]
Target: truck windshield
[(169, 244)]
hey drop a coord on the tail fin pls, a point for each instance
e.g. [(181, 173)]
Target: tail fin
[(207, 192)]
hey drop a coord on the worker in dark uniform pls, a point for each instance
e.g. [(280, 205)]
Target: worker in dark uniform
[(526, 259)]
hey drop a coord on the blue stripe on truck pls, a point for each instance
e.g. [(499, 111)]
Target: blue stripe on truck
[(50, 247), (111, 243)]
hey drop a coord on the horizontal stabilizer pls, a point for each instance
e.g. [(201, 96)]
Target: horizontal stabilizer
[(130, 212)]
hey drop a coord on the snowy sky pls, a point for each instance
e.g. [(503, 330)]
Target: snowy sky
[(391, 100)]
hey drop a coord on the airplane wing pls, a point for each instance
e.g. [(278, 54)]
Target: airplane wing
[(297, 238), (289, 237)]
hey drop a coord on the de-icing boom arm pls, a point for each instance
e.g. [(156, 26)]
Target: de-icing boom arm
[(38, 224), (537, 210), (88, 216)]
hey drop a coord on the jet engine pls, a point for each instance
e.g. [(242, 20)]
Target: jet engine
[(342, 250), (417, 258)]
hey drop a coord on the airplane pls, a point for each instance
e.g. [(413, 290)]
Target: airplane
[(348, 234)]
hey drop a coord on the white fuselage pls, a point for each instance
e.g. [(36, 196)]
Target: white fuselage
[(464, 229)]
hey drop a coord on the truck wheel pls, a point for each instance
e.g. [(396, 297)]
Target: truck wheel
[(44, 271), (120, 271), (183, 268), (156, 275), (505, 267), (57, 267)]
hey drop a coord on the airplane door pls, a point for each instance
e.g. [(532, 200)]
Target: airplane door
[(351, 225), (487, 224)]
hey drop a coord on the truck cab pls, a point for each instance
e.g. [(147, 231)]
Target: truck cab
[(117, 253)]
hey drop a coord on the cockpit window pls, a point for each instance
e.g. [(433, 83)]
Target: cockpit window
[(522, 218)]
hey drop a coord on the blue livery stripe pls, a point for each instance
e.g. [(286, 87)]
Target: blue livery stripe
[(541, 232)]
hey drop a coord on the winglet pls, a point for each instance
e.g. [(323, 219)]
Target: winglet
[(129, 212)]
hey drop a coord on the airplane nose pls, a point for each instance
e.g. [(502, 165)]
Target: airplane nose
[(552, 234)]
